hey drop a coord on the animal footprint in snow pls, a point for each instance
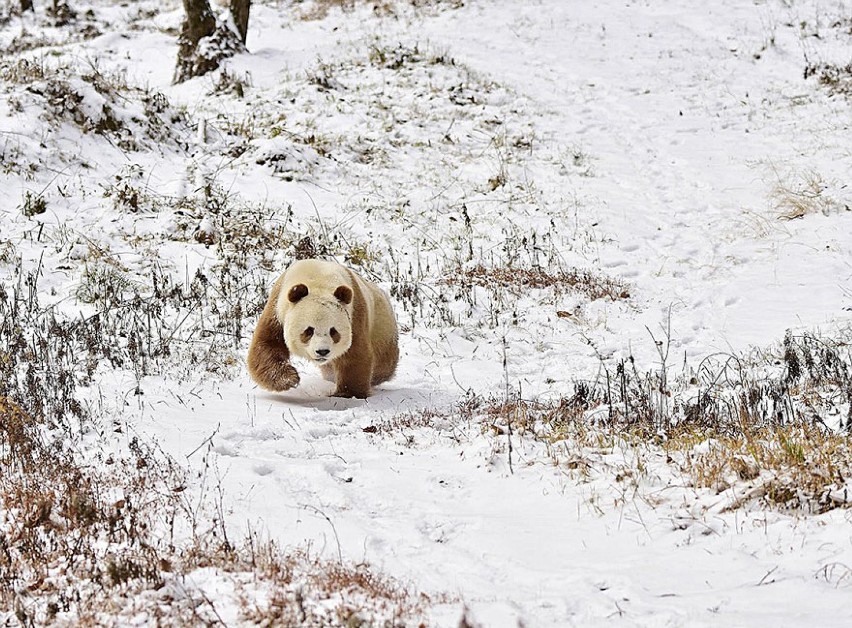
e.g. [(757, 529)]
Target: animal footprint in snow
[(338, 471), (439, 531), (614, 262)]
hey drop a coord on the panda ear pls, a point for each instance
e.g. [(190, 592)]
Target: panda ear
[(343, 294), (297, 293)]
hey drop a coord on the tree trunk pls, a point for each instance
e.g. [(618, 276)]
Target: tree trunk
[(198, 23), (60, 12), (219, 42), (240, 10)]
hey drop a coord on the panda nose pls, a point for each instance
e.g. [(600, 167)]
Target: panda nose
[(323, 352)]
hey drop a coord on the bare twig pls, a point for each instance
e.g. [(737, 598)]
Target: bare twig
[(333, 529)]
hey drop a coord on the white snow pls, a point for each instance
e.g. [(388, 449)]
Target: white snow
[(644, 141)]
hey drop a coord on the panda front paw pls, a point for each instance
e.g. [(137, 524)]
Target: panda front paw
[(281, 376)]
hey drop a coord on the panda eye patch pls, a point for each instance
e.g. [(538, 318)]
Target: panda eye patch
[(306, 335), (335, 335)]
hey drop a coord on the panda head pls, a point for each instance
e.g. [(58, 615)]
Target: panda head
[(317, 326)]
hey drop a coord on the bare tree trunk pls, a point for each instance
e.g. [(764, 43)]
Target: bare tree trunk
[(61, 12), (219, 42), (198, 23), (240, 10)]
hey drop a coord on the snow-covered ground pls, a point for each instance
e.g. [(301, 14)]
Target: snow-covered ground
[(659, 148)]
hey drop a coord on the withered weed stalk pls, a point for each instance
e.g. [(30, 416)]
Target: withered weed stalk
[(85, 535), (833, 76), (33, 204), (80, 532)]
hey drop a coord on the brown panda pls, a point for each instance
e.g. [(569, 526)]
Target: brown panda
[(328, 314)]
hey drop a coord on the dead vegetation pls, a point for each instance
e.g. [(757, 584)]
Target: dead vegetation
[(795, 467), (834, 78), (90, 538), (488, 294), (752, 428), (95, 101), (71, 535), (806, 194), (144, 325), (520, 280), (355, 595), (319, 9), (95, 545)]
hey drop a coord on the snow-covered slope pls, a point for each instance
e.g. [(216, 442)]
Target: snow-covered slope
[(546, 189)]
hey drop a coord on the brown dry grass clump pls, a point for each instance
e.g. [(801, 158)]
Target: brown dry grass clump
[(349, 595), (84, 546), (793, 467), (733, 428), (518, 280), (69, 533), (804, 195), (835, 78)]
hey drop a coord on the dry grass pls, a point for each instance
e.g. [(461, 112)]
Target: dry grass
[(71, 534), (319, 9), (733, 427), (23, 71), (344, 595), (8, 252), (835, 78), (795, 467), (133, 118), (803, 195), (520, 280), (97, 541), (93, 545)]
